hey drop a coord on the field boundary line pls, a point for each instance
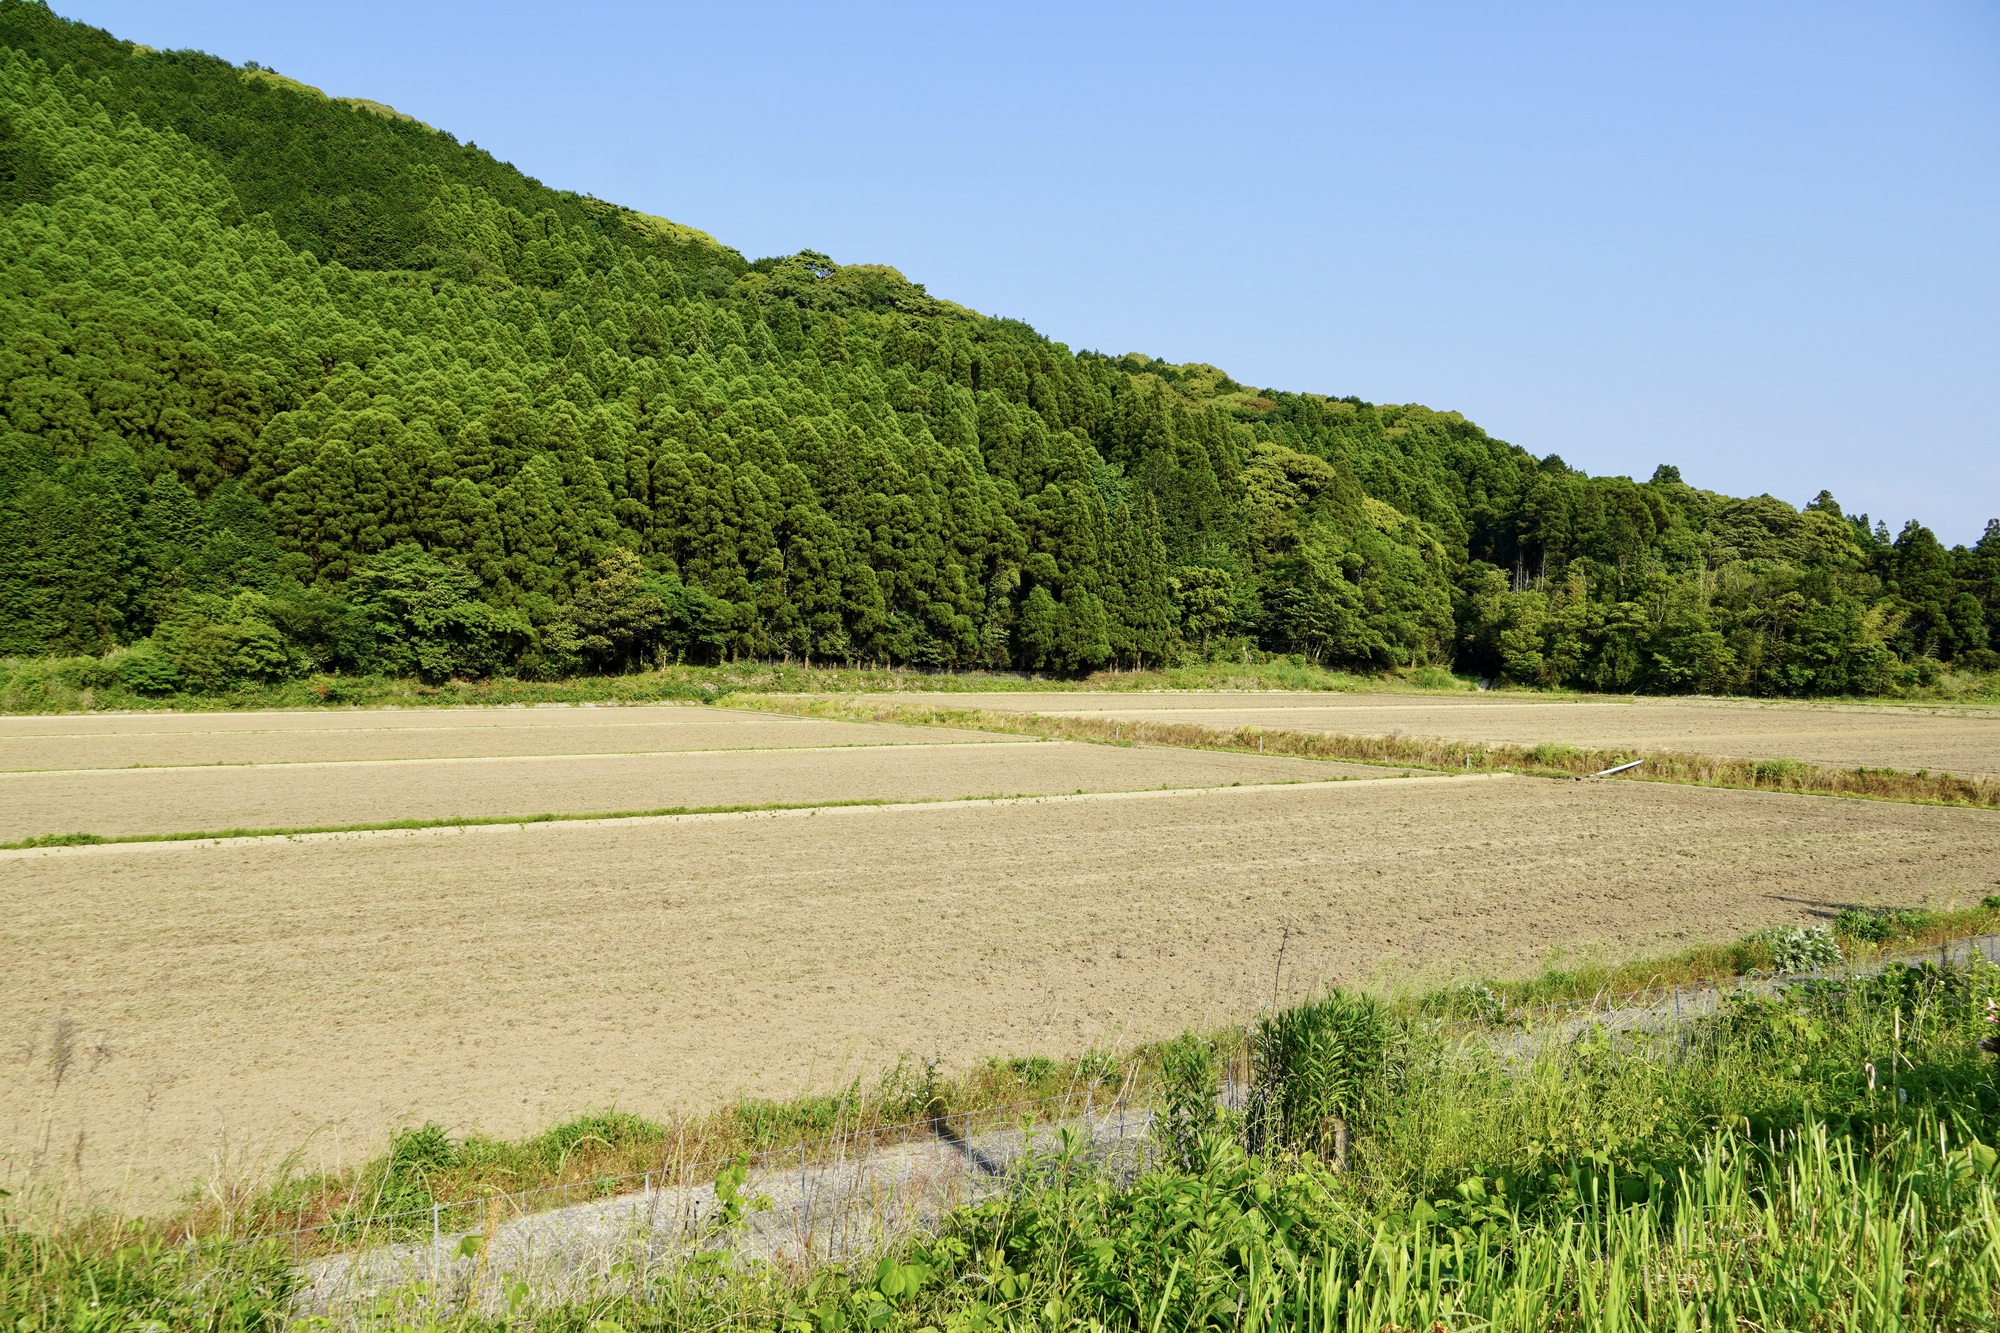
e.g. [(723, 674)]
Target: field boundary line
[(152, 842), (706, 707), (1550, 760), (8, 773), (360, 710)]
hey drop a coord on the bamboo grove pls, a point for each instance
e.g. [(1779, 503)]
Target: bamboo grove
[(291, 384)]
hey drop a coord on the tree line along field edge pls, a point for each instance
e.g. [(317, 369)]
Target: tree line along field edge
[(84, 684), (290, 388)]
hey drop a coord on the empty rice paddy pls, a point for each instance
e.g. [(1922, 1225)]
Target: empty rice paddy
[(154, 740), (1960, 740), (251, 998), (167, 801)]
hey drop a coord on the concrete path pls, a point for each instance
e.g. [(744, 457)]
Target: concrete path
[(850, 1206)]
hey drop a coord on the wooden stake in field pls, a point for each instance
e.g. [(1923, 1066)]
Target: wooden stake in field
[(1283, 940)]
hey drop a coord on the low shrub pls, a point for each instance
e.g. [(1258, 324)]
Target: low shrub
[(1186, 1099), (1467, 1001), (1315, 1068), (1800, 948), (1031, 1068), (1882, 925), (612, 1130), (1436, 678), (401, 1183), (1779, 772)]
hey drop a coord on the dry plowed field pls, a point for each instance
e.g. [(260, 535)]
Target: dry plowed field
[(315, 993), (853, 762), (1964, 740), (155, 740)]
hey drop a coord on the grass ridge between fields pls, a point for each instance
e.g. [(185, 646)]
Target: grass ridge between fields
[(1448, 756), (493, 758), (56, 841)]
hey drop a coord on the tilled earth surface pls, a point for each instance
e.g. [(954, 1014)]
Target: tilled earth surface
[(1960, 740), (245, 999), (138, 801), (153, 740)]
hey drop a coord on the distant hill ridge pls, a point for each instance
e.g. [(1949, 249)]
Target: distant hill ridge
[(292, 383)]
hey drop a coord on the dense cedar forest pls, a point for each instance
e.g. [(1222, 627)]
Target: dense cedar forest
[(292, 384)]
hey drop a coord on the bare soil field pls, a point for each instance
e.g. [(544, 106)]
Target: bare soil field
[(1965, 741), (240, 1000), (135, 801), (137, 740)]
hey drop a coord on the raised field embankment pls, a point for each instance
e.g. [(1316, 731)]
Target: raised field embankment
[(1961, 740), (1549, 758)]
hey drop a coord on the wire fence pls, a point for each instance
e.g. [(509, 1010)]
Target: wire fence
[(825, 1200), (364, 1226), (844, 1193)]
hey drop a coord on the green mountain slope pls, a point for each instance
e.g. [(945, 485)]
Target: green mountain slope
[(294, 384)]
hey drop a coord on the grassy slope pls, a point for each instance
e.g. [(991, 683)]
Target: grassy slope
[(75, 685)]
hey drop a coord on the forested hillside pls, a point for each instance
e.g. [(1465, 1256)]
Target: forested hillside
[(290, 384)]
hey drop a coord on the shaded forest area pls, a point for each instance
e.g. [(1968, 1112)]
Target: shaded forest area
[(294, 385)]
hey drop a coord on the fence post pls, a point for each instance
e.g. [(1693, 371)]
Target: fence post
[(434, 1249), (805, 1202)]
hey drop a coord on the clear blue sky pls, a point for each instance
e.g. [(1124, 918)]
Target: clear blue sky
[(1757, 240)]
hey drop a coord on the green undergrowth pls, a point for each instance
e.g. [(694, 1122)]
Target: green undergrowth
[(454, 821), (53, 685), (81, 684), (1818, 1157), (1863, 933)]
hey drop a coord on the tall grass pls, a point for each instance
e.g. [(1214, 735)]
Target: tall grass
[(73, 684), (1863, 934), (76, 684), (1785, 775), (1817, 1159), (1815, 1232)]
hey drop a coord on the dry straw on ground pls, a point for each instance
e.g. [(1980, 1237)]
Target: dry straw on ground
[(1786, 775), (1961, 740)]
